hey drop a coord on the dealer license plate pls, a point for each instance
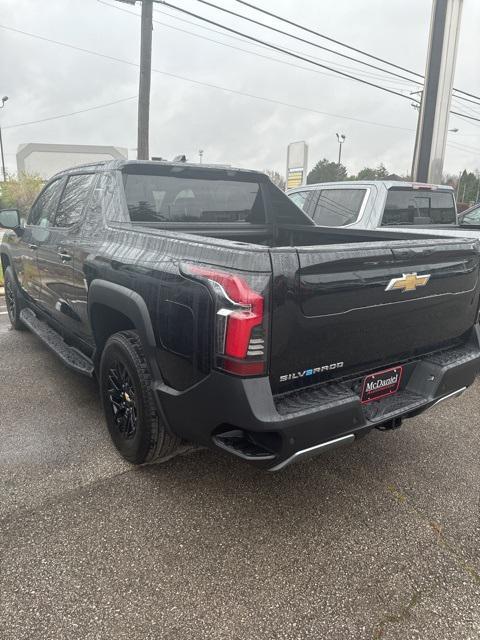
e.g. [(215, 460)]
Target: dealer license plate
[(381, 384)]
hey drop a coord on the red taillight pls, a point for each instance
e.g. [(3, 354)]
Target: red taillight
[(240, 318)]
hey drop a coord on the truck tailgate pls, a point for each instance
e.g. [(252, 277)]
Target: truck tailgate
[(341, 310)]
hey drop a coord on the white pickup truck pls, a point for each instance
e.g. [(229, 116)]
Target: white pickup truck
[(422, 208)]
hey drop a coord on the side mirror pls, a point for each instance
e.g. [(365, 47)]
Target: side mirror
[(9, 219)]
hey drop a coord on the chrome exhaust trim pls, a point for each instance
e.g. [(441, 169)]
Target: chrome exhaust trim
[(313, 451), (454, 394)]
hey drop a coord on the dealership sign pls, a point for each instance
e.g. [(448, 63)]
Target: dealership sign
[(297, 158)]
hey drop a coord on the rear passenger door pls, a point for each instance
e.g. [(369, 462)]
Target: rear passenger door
[(55, 256)]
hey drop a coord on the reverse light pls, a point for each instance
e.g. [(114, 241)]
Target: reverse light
[(240, 322)]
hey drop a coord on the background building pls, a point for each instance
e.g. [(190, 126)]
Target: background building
[(45, 160)]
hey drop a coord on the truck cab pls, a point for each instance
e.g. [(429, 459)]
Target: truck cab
[(373, 204)]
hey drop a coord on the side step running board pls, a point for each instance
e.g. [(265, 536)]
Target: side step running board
[(68, 355)]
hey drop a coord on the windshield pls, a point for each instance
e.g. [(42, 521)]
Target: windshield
[(166, 198), (422, 207)]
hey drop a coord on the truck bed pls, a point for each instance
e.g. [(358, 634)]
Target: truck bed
[(329, 303)]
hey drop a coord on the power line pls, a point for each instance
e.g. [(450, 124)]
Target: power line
[(230, 46), (295, 37), (466, 109), (458, 147), (294, 55), (260, 46), (464, 115), (466, 147), (343, 44), (465, 99), (208, 84), (214, 86), (469, 118), (66, 115), (321, 35), (275, 47), (69, 46)]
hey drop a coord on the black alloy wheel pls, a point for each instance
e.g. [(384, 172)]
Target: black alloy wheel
[(10, 301), (134, 420), (13, 301), (122, 395)]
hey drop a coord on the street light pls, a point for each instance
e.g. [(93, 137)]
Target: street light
[(4, 99), (200, 155), (341, 137)]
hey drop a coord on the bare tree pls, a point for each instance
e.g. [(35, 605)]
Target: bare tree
[(276, 178)]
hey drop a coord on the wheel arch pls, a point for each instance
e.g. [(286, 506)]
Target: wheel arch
[(112, 308), (5, 261)]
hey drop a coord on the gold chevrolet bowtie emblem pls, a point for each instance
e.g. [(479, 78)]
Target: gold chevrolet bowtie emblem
[(408, 282)]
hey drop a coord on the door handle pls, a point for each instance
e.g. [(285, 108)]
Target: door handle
[(65, 257), (33, 246)]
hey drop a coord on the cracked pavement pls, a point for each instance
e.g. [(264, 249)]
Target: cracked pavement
[(378, 540)]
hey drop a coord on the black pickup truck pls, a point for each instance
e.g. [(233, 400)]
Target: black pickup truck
[(213, 311)]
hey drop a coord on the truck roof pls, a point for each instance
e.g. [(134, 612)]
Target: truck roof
[(387, 184), (116, 165)]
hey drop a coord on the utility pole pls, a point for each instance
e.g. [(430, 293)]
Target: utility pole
[(145, 78), (3, 159), (437, 94), (341, 139), (4, 99), (458, 185)]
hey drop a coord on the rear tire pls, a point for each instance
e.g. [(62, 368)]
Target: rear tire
[(135, 426), (13, 300)]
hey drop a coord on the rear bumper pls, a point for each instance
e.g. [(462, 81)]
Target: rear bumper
[(281, 429)]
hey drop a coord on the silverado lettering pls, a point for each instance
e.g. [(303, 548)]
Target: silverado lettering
[(310, 372)]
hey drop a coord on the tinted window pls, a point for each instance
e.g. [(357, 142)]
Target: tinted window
[(299, 198), (167, 198), (413, 206), (306, 200), (472, 218), (43, 211), (311, 202), (284, 210), (102, 203), (73, 200), (338, 207)]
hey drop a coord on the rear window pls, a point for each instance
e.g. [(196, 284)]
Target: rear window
[(299, 198), (412, 206), (338, 207), (168, 198)]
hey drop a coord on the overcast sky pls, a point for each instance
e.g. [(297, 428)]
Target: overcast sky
[(44, 79)]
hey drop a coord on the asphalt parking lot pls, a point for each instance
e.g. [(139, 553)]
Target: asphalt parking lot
[(379, 540)]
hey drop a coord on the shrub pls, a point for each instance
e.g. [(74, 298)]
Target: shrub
[(20, 193)]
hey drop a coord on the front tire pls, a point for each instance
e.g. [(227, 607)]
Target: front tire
[(135, 426), (13, 300)]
